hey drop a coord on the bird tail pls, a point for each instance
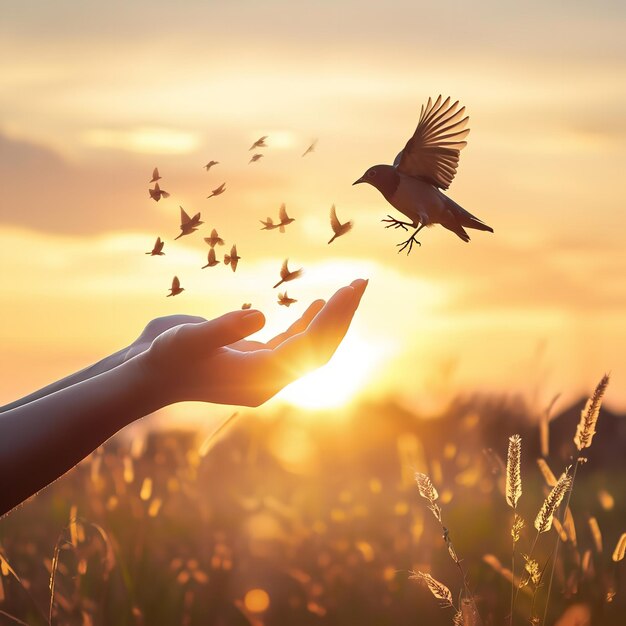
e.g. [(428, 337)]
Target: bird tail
[(332, 238), (280, 282), (179, 236), (207, 265), (470, 221), (148, 252)]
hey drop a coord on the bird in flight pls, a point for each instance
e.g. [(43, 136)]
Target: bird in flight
[(311, 148), (158, 248), (212, 261), (218, 190), (214, 239), (285, 220), (245, 306), (338, 228), (210, 164), (268, 224), (285, 300), (188, 224), (286, 275), (255, 157), (259, 143), (175, 289), (232, 259), (426, 165), (157, 193), (155, 175)]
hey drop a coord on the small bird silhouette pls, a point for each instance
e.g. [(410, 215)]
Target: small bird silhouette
[(158, 247), (188, 224), (285, 220), (255, 157), (157, 193), (338, 228), (232, 259), (175, 289), (259, 143), (214, 239), (285, 300), (212, 261), (155, 175), (210, 164), (427, 164), (311, 148), (268, 224), (286, 275), (245, 306), (218, 190)]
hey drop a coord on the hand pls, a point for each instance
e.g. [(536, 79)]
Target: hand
[(211, 361)]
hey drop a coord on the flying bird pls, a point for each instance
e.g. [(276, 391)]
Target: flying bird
[(259, 143), (255, 157), (311, 148), (232, 259), (155, 175), (338, 228), (268, 224), (157, 193), (245, 306), (214, 239), (212, 261), (426, 165), (218, 190), (285, 300), (188, 224), (286, 275), (285, 220), (175, 289), (210, 164), (158, 248)]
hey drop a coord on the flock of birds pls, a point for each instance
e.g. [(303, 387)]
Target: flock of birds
[(190, 224)]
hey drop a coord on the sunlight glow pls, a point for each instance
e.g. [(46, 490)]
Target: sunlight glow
[(145, 140)]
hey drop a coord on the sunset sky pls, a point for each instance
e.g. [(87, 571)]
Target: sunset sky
[(93, 96)]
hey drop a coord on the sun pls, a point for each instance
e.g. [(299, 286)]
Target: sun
[(351, 370)]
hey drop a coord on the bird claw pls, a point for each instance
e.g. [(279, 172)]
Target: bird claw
[(409, 242), (393, 222)]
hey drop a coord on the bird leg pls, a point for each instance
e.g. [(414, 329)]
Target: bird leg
[(411, 240), (393, 222)]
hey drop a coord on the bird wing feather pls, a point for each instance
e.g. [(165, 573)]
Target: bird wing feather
[(184, 218), (282, 213), (334, 221), (284, 270), (175, 283)]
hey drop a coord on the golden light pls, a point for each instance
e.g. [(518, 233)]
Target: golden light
[(256, 600), (145, 140)]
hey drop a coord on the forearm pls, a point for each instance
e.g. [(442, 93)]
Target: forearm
[(104, 365), (41, 440)]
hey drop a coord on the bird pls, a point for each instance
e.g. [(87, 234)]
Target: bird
[(286, 275), (188, 224), (285, 300), (157, 193), (218, 190), (210, 164), (158, 248), (338, 228), (245, 306), (426, 165), (259, 143), (214, 239), (155, 175), (285, 220), (212, 261), (311, 148), (255, 157), (175, 289), (268, 224), (232, 259)]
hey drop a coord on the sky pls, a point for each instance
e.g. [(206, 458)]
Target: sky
[(93, 96)]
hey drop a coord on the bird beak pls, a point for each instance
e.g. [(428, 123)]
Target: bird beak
[(356, 182)]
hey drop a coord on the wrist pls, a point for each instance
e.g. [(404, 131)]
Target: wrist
[(153, 387)]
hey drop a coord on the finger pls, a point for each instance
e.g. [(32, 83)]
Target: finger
[(299, 325)]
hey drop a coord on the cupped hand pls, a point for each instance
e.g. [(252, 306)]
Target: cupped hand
[(189, 358)]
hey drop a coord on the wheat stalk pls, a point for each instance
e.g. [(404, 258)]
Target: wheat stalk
[(589, 417), (438, 589), (513, 473), (543, 521), (620, 549), (427, 490)]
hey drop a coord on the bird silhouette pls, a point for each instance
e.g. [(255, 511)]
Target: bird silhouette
[(427, 164), (285, 220), (259, 143), (232, 259), (218, 190), (245, 306), (157, 193), (255, 157), (210, 164), (212, 261), (188, 224), (155, 175), (158, 247), (268, 224), (311, 148), (285, 300), (338, 228), (214, 239), (286, 275), (175, 289)]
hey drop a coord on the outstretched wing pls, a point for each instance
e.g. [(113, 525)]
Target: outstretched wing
[(282, 213), (184, 218), (334, 222), (175, 283), (433, 151), (284, 270)]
